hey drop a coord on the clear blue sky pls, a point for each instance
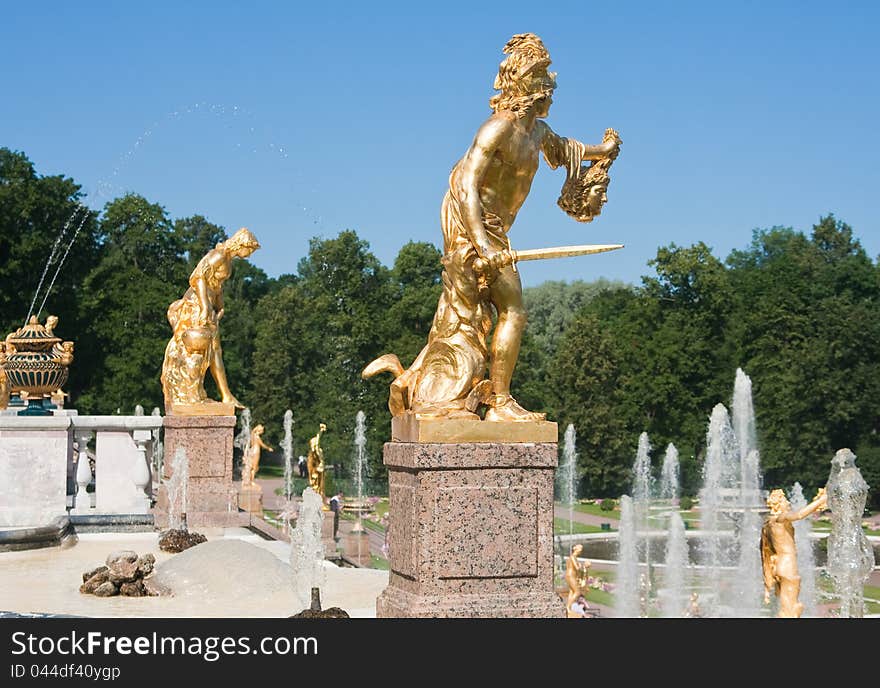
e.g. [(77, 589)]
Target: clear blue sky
[(301, 119)]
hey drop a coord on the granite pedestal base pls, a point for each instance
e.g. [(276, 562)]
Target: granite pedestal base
[(356, 546), (211, 496), (250, 499), (471, 530)]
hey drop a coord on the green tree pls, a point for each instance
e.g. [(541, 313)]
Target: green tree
[(551, 308), (322, 330), (416, 283), (809, 333), (125, 299)]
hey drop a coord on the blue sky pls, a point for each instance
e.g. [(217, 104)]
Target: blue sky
[(300, 120)]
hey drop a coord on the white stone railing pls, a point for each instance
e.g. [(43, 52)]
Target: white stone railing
[(124, 458)]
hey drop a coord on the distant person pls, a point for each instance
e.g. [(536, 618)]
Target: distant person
[(301, 464), (579, 608), (336, 508)]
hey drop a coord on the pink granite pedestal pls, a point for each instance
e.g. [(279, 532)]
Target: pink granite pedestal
[(471, 530), (250, 499), (211, 496)]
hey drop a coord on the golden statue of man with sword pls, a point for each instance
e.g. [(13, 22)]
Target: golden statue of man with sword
[(487, 187)]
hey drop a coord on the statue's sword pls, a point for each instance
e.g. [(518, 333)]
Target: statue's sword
[(545, 253)]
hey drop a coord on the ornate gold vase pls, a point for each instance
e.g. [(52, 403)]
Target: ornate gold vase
[(36, 362)]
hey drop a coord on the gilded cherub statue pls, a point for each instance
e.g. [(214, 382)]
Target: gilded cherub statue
[(195, 347), (252, 460), (487, 187), (576, 578), (779, 553), (315, 462), (4, 379)]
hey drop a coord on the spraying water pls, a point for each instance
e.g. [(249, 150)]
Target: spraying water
[(643, 488), (306, 547), (720, 482), (743, 414), (567, 474), (669, 475), (850, 554), (243, 438), (176, 486), (158, 445), (53, 255), (805, 558), (675, 597), (627, 588), (360, 443), (287, 448), (748, 589)]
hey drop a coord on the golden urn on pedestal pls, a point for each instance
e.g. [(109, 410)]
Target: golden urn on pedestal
[(36, 363)]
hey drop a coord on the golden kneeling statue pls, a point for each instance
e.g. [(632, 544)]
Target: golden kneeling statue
[(194, 347), (252, 460), (315, 462), (487, 187), (577, 579), (779, 553)]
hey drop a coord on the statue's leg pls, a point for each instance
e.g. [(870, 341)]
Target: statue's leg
[(506, 295), (789, 590), (218, 372)]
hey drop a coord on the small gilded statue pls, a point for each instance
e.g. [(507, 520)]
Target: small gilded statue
[(195, 347), (779, 553), (4, 378), (577, 579), (487, 187), (252, 459), (315, 462)]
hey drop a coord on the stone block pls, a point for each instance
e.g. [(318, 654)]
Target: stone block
[(211, 495), (471, 530), (34, 457)]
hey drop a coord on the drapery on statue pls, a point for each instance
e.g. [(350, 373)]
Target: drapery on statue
[(315, 462), (252, 460), (194, 347), (576, 578), (779, 553), (487, 187)]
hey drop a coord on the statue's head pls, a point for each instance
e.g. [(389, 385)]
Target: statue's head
[(523, 78), (577, 549), (259, 429), (597, 188), (51, 322), (777, 502), (322, 427), (242, 244)]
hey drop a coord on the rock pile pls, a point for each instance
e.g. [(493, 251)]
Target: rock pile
[(123, 574), (179, 539)]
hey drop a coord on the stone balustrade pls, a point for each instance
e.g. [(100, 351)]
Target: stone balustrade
[(124, 458), (45, 460)]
